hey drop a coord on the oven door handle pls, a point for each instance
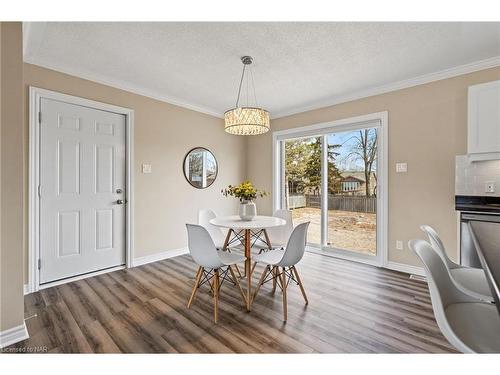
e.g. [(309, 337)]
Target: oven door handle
[(480, 217)]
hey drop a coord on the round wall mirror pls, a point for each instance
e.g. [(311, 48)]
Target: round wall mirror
[(200, 168)]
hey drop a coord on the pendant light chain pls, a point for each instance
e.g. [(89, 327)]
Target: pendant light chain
[(247, 89), (239, 89)]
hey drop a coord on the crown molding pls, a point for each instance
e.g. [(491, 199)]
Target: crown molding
[(126, 86), (33, 35), (399, 85)]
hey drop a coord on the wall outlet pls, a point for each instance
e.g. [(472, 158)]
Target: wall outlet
[(489, 187), (399, 245), (146, 168), (401, 167)]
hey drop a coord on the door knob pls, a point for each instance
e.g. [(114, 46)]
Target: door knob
[(120, 201)]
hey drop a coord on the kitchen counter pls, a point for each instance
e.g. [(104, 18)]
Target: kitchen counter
[(486, 238), (487, 204)]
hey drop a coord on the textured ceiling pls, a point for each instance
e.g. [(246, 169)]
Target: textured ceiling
[(296, 66)]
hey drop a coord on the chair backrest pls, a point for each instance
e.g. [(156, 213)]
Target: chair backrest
[(437, 245), (204, 217), (296, 246), (281, 234), (202, 247), (442, 289)]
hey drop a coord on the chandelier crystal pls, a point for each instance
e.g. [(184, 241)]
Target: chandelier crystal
[(246, 120)]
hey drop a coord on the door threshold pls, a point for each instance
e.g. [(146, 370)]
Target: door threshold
[(319, 251), (80, 277)]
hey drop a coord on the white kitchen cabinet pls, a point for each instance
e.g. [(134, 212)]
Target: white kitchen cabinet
[(483, 138)]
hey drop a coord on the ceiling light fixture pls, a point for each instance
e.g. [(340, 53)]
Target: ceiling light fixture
[(246, 120)]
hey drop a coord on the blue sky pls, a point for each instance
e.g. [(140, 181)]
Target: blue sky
[(346, 141)]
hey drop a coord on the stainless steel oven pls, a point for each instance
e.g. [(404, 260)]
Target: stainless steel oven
[(474, 208), (468, 254)]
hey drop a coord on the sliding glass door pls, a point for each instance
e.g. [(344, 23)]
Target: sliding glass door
[(302, 183), (352, 191), (332, 177)]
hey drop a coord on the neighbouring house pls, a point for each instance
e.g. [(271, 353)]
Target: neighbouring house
[(353, 183)]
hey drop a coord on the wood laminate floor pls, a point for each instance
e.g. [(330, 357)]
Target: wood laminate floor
[(353, 308)]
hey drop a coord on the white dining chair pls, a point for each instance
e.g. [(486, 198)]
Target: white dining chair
[(281, 265), (469, 324), (278, 236), (213, 265), (470, 280), (204, 217)]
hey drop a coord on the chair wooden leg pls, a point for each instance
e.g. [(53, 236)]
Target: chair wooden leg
[(238, 284), (275, 275), (268, 241), (226, 241), (283, 287), (196, 285), (300, 284), (216, 295), (262, 278), (253, 267), (238, 270)]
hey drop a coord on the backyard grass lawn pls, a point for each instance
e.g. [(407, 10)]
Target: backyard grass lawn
[(354, 231)]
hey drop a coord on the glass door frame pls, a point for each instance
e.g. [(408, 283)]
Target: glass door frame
[(377, 120)]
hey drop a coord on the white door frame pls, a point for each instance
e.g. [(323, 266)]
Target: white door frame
[(342, 125), (35, 96)]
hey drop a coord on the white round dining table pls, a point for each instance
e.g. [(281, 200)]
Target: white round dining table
[(235, 223)]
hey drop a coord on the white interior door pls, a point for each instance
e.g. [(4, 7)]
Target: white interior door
[(82, 190)]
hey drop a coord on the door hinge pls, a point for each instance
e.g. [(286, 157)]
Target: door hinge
[(39, 263), (40, 117), (39, 191)]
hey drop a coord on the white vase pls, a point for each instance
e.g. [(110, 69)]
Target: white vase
[(248, 210)]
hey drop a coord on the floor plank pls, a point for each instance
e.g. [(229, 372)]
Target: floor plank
[(353, 308)]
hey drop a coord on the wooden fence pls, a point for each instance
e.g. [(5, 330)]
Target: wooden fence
[(296, 201), (353, 203)]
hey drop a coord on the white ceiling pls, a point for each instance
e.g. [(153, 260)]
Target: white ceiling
[(297, 66)]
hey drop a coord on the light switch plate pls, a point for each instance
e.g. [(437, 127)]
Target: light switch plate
[(399, 245), (489, 187), (401, 167), (146, 168)]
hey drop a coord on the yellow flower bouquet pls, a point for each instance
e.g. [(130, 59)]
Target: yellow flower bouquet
[(244, 192)]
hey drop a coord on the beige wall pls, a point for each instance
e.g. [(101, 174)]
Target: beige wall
[(12, 177), (164, 201), (427, 128)]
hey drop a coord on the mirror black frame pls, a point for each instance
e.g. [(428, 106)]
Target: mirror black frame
[(184, 166)]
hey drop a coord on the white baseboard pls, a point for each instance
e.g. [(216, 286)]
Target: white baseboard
[(136, 262), (160, 256), (12, 335), (406, 268)]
